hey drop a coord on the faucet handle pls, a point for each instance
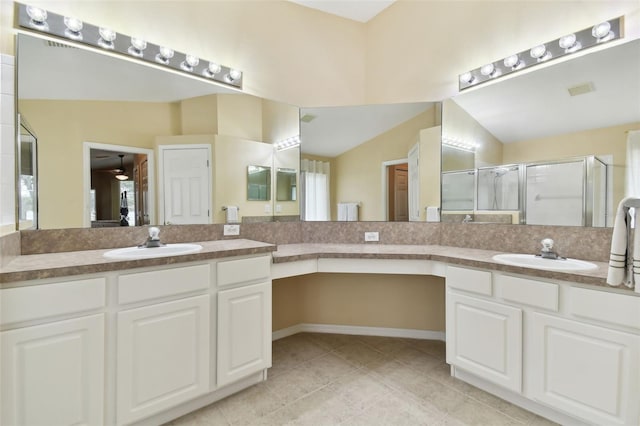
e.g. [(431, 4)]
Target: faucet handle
[(154, 233), (547, 245)]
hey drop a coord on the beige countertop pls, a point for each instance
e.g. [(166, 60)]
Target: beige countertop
[(453, 255), (52, 265)]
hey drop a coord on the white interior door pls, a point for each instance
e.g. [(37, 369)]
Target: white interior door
[(186, 185), (414, 183)]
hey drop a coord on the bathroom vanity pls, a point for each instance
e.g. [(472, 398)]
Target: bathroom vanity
[(137, 344), (143, 342)]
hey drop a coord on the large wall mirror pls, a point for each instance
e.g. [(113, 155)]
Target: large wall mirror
[(370, 162), (89, 108), (547, 147)]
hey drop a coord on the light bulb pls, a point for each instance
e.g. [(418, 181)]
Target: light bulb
[(38, 18), (569, 43), (164, 55), (514, 62), (540, 53), (137, 47), (214, 68), (74, 26), (107, 37), (602, 32), (190, 61), (488, 70), (467, 78), (233, 76)]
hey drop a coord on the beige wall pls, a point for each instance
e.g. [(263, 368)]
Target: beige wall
[(199, 116), (394, 301), (60, 145), (358, 172), (605, 141)]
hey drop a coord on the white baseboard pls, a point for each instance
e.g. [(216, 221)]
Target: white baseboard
[(358, 330)]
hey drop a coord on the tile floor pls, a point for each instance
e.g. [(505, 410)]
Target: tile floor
[(328, 379)]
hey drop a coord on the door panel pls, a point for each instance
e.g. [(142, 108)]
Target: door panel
[(186, 185)]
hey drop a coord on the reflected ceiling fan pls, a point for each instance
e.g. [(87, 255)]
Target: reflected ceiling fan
[(119, 172)]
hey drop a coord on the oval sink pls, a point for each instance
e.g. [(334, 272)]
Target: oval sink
[(532, 261), (149, 252)]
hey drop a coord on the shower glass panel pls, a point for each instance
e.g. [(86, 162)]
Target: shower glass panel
[(597, 188), (556, 193), (498, 188), (458, 189)]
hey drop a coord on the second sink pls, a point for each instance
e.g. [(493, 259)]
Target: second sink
[(532, 261), (131, 253)]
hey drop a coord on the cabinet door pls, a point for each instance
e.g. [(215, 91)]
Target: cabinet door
[(586, 371), (53, 374), (163, 356), (244, 331), (485, 338)]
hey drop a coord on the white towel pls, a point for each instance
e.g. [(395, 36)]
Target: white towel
[(621, 260), (232, 214), (433, 214), (348, 212), (636, 249)]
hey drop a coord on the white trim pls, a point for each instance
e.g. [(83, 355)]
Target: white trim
[(359, 331), (86, 176), (385, 184), (161, 150)]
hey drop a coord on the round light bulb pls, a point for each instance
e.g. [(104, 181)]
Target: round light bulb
[(598, 31), (166, 52), (235, 74), (466, 78), (73, 24), (488, 69), (138, 43), (511, 61), (214, 68), (107, 34), (540, 53), (192, 60), (37, 14), (567, 41)]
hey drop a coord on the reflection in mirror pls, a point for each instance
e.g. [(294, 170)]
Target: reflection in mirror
[(286, 185), (89, 97), (258, 183), (27, 176), (357, 149), (579, 110)]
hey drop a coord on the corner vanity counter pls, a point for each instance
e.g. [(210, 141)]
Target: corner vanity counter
[(134, 341), (561, 344)]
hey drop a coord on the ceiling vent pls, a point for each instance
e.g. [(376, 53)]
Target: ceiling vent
[(307, 118), (581, 89), (50, 43)]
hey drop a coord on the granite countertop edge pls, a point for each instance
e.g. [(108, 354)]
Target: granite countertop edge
[(56, 265), (477, 258)]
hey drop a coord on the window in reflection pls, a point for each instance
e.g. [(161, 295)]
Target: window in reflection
[(258, 183)]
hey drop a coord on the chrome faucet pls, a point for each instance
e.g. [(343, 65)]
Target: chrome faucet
[(153, 240), (547, 250), (467, 219)]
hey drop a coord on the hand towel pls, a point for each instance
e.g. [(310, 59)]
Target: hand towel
[(621, 259), (636, 250), (348, 212), (232, 214), (433, 214)]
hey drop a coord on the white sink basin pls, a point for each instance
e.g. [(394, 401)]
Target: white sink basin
[(129, 253), (531, 261)]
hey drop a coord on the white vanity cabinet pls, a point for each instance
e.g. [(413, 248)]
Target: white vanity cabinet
[(53, 353), (244, 318), (162, 347), (561, 348), (483, 337)]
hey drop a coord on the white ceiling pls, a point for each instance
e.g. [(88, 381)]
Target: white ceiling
[(337, 130), (356, 10), (537, 104)]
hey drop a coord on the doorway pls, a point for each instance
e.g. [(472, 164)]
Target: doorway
[(118, 186), (398, 192)]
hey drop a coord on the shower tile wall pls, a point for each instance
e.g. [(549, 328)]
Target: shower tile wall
[(7, 145)]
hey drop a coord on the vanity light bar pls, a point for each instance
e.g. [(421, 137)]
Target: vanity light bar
[(288, 143), (70, 28), (563, 46), (457, 144)]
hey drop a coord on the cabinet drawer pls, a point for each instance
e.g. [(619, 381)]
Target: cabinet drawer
[(150, 285), (244, 270), (528, 292), (49, 300), (469, 280), (620, 309)]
